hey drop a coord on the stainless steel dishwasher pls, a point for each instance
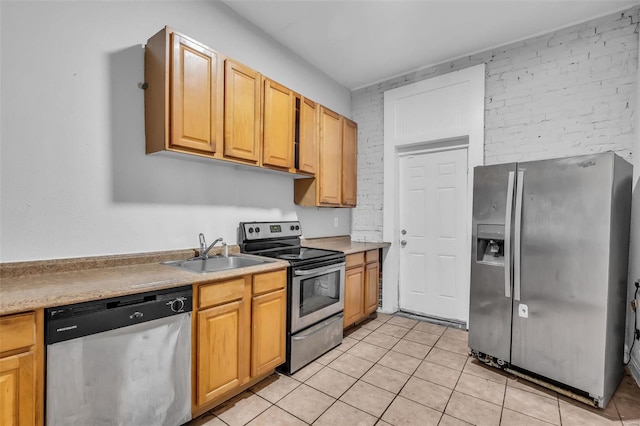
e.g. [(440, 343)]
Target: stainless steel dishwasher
[(121, 361)]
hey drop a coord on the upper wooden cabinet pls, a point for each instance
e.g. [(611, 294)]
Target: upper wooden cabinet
[(330, 175), (349, 162), (200, 102), (309, 134), (184, 97), (279, 125), (241, 112), (335, 182)]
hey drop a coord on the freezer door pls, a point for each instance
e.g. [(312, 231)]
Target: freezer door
[(559, 306), (490, 298)]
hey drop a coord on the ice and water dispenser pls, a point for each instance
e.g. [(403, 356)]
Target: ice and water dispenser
[(490, 240)]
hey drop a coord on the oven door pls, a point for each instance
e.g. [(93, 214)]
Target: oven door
[(316, 294)]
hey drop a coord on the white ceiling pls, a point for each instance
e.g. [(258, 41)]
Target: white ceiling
[(360, 42)]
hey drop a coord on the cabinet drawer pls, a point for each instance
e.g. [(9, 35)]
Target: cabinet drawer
[(270, 281), (355, 259), (17, 331), (221, 292), (372, 256)]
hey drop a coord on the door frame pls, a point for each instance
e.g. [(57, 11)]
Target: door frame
[(464, 92)]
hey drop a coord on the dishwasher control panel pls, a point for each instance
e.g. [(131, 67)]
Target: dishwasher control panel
[(82, 319)]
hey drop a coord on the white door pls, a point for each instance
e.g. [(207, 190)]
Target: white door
[(433, 234)]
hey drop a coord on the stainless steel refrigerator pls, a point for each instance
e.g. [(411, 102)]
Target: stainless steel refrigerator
[(549, 270)]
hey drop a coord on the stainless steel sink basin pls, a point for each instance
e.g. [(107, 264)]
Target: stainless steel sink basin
[(216, 263)]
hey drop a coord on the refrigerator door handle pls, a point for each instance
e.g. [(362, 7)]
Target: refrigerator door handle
[(517, 236), (507, 236)]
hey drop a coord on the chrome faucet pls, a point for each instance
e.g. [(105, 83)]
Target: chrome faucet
[(204, 249)]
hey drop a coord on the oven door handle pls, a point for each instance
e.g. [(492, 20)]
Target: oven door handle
[(316, 271)]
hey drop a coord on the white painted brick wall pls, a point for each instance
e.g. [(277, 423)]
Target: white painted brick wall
[(570, 92)]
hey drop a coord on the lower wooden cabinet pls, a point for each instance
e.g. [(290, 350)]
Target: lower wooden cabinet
[(223, 345), (269, 318), (240, 330), (361, 286), (21, 369), (353, 295), (371, 293)]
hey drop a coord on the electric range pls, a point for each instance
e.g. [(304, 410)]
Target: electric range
[(315, 288)]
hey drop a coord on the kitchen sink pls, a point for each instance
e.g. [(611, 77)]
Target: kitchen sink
[(216, 263)]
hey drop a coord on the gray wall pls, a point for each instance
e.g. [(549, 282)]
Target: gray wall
[(571, 92), (74, 177)]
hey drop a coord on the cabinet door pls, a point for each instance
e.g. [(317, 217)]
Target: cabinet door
[(309, 130), (223, 344), (349, 162), (353, 295), (279, 115), (330, 158), (241, 112), (268, 332), (18, 390), (371, 274), (196, 96)]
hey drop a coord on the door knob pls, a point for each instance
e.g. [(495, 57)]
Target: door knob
[(403, 243)]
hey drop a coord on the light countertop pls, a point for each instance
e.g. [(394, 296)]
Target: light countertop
[(41, 284), (343, 244), (26, 286)]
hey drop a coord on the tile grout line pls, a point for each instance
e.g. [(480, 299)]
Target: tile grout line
[(379, 418), (412, 374), (367, 332), (611, 401), (504, 398), (405, 383), (347, 390), (444, 410), (559, 411)]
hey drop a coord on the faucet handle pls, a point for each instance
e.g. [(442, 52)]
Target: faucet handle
[(203, 244)]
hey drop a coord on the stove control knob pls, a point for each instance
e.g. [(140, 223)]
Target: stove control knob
[(251, 230), (293, 227), (257, 229), (297, 227)]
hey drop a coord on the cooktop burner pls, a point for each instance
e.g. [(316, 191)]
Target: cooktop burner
[(297, 254), (302, 253), (289, 256)]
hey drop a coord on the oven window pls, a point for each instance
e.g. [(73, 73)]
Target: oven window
[(319, 292)]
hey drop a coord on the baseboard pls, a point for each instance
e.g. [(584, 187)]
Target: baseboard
[(435, 320)]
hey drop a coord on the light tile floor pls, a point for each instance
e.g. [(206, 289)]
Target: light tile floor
[(394, 370)]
